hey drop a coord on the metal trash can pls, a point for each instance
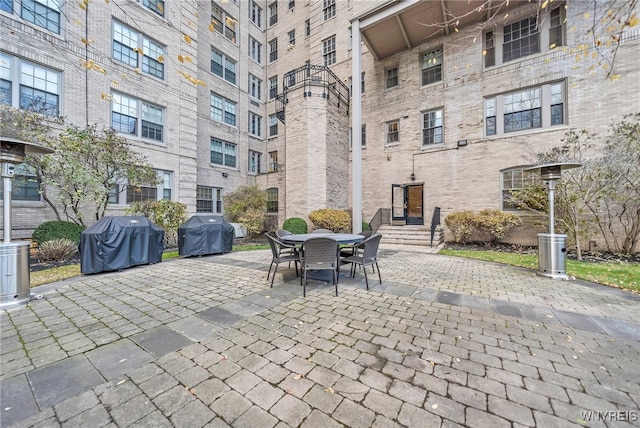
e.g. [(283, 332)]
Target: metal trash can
[(14, 269), (552, 255)]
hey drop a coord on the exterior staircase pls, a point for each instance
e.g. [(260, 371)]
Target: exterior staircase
[(411, 235)]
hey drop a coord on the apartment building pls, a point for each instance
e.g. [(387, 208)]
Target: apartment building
[(452, 98)]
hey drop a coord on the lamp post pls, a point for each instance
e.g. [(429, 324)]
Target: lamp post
[(14, 256), (552, 251)]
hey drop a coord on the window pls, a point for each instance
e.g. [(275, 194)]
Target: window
[(391, 77), (524, 37), (432, 67), (362, 83), (255, 50), (255, 14), (156, 6), (6, 6), (255, 162), (273, 50), (273, 13), (135, 117), (223, 153), (147, 192), (255, 87), (273, 125), (329, 50), (136, 50), (255, 125), (292, 38), (432, 128), (537, 107), (272, 200), (208, 200), (307, 28), (25, 185), (292, 4), (515, 179), (223, 66), (273, 87), (223, 110), (38, 88), (363, 135), (393, 132), (273, 161), (223, 23), (328, 9), (43, 13)]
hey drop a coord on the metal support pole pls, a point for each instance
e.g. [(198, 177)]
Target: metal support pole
[(551, 184), (7, 206)]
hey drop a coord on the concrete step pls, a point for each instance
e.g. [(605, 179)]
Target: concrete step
[(410, 235)]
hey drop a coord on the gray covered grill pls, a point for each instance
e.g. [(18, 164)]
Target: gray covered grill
[(205, 234), (119, 242)]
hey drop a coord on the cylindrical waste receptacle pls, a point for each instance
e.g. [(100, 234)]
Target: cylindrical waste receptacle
[(14, 269), (552, 255)]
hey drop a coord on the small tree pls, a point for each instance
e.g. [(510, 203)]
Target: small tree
[(247, 206)]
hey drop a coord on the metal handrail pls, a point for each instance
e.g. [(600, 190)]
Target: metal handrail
[(382, 216)]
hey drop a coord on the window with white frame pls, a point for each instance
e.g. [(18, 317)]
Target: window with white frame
[(272, 200), (255, 14), (156, 6), (292, 4), (292, 38), (328, 9), (273, 50), (255, 87), (514, 179), (223, 66), (273, 87), (255, 50), (25, 185), (138, 51), (526, 36), (393, 132), (255, 162), (391, 77), (273, 161), (208, 200), (144, 192), (531, 108), (329, 50), (133, 116), (28, 86), (223, 110), (432, 127), (273, 13), (273, 125), (43, 13), (431, 63), (255, 125), (223, 153), (223, 23)]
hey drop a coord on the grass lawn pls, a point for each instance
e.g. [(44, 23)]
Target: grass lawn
[(619, 274)]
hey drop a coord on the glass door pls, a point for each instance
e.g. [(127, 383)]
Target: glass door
[(414, 204), (398, 204)]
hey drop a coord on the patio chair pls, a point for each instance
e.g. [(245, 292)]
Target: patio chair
[(284, 247), (281, 232), (350, 250), (278, 256), (367, 255), (319, 254), (322, 231)]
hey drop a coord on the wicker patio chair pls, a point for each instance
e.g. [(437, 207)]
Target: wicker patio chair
[(319, 254), (367, 255), (322, 231), (278, 256)]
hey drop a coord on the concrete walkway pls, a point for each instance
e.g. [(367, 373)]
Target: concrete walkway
[(204, 341)]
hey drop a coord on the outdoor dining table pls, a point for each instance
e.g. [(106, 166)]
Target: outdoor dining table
[(342, 238)]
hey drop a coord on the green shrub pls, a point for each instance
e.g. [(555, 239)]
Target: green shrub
[(295, 225), (496, 223), (52, 230), (168, 215), (461, 224), (332, 219), (365, 226), (57, 250)]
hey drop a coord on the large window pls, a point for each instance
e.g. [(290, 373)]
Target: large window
[(138, 51), (532, 108), (273, 13), (273, 50), (432, 127), (391, 77), (515, 179), (524, 37), (255, 162), (25, 186), (223, 23), (29, 86), (272, 200), (156, 6), (255, 125), (328, 9), (223, 110), (135, 117), (208, 200), (255, 50), (431, 63), (223, 66), (255, 14), (329, 50), (273, 125), (255, 87), (43, 13), (223, 153), (393, 132), (145, 192), (273, 87)]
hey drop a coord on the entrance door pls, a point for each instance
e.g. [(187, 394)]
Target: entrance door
[(398, 204), (414, 204)]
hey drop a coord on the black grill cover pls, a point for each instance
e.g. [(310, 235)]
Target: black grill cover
[(205, 234), (119, 242)]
